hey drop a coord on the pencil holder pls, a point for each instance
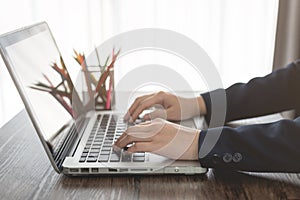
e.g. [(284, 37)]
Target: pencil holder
[(93, 89)]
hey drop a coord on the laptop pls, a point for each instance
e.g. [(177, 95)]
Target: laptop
[(80, 145)]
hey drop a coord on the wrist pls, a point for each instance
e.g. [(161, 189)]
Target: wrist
[(201, 105), (195, 107), (192, 153), (195, 152)]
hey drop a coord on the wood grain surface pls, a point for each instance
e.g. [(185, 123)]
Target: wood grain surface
[(26, 173)]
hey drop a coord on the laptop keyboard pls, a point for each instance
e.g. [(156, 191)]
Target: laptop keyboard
[(106, 130)]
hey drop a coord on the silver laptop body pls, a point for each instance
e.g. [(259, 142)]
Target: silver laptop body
[(69, 142)]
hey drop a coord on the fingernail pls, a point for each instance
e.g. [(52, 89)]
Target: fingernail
[(127, 153), (147, 117), (130, 120), (116, 148)]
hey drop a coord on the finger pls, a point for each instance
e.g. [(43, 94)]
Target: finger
[(129, 139), (141, 147), (150, 130), (140, 128), (160, 113), (121, 142), (120, 138), (146, 103), (145, 122), (136, 130), (134, 105)]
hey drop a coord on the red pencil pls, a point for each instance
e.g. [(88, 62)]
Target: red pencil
[(107, 107)]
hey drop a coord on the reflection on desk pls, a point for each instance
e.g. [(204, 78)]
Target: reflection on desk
[(25, 173)]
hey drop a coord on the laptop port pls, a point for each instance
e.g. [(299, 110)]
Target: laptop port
[(73, 170), (139, 170), (112, 170), (94, 169), (85, 170)]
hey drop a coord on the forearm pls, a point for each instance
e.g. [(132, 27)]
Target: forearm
[(191, 107)]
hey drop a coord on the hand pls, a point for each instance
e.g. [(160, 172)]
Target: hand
[(174, 108), (163, 138)]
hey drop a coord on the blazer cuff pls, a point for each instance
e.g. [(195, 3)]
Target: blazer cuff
[(207, 155), (207, 101), (217, 97), (200, 142)]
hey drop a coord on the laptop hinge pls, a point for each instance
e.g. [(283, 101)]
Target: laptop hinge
[(74, 133)]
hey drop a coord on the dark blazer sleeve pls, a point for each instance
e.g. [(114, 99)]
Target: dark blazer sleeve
[(276, 92), (265, 147)]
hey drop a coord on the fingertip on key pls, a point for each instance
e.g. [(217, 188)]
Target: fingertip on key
[(116, 148), (130, 120), (126, 116), (147, 117)]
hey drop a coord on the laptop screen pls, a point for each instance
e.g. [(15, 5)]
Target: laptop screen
[(35, 64), (31, 59)]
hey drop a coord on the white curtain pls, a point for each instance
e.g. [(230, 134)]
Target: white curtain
[(237, 34)]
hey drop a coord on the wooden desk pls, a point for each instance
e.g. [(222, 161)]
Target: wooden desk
[(26, 173)]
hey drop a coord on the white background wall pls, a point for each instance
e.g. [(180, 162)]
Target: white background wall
[(237, 34)]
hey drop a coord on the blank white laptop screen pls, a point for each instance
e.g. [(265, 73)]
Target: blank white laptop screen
[(31, 59)]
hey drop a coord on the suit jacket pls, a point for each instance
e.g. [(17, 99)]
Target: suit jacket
[(272, 147)]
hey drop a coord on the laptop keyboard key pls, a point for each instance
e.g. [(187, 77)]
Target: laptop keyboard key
[(91, 159), (93, 154), (84, 154), (138, 154), (85, 150), (105, 152), (103, 158), (138, 159), (114, 158), (106, 148), (126, 157), (96, 146), (95, 150), (82, 159)]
